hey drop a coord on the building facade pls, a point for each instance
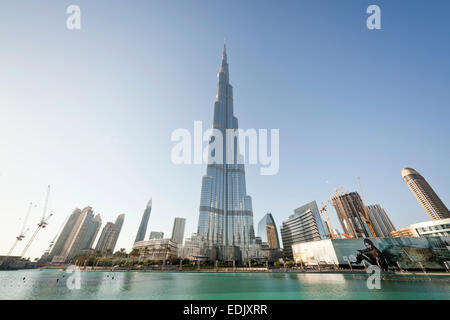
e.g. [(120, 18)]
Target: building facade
[(303, 226), (267, 231), (110, 235), (140, 236), (225, 213), (403, 233), (196, 248), (350, 211), (178, 230), (381, 223), (434, 228), (426, 196), (156, 235), (82, 235), (64, 234), (406, 253), (157, 249)]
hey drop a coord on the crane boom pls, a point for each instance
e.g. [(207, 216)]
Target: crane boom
[(366, 214), (52, 243), (44, 210), (22, 230), (41, 225), (324, 211)]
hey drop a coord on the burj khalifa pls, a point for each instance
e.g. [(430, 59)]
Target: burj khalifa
[(225, 213)]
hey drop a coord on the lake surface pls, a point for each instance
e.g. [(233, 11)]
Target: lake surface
[(53, 284)]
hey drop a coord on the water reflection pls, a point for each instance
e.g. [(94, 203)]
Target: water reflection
[(52, 284), (321, 278)]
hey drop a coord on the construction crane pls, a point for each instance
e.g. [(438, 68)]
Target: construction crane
[(52, 243), (41, 225), (324, 211), (23, 232), (366, 214)]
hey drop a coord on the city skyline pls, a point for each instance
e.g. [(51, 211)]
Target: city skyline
[(66, 134)]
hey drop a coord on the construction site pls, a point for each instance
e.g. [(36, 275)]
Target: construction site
[(15, 262)]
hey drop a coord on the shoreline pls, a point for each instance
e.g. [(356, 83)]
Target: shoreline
[(253, 270)]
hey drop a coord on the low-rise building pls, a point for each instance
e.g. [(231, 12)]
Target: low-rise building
[(410, 253), (402, 233), (303, 226), (433, 228), (157, 249)]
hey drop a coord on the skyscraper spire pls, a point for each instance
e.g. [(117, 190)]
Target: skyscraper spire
[(224, 65), (224, 51)]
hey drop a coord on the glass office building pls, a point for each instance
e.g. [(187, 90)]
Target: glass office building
[(267, 231), (304, 225), (225, 213)]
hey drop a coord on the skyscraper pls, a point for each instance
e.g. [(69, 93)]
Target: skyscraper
[(178, 230), (267, 231), (65, 232), (93, 226), (110, 234), (144, 222), (225, 213), (350, 211), (303, 226), (381, 223), (82, 234), (426, 196)]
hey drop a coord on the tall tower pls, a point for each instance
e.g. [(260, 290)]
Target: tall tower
[(426, 196), (82, 235), (178, 230), (225, 213), (144, 222), (110, 234), (65, 233)]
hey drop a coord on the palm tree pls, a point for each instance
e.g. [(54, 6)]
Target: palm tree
[(108, 252), (134, 253)]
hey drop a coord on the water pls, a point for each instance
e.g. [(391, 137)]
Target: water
[(52, 284)]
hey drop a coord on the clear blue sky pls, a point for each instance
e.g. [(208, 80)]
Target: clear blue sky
[(91, 111)]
